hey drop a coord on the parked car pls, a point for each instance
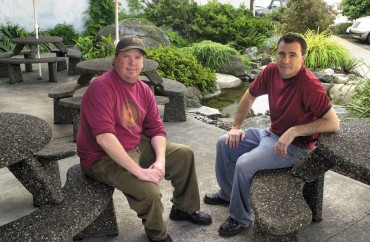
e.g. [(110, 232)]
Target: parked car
[(360, 29), (274, 5)]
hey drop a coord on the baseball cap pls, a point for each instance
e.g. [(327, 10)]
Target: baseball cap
[(130, 42)]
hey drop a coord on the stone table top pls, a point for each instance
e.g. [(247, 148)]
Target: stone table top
[(33, 41), (21, 135), (349, 149)]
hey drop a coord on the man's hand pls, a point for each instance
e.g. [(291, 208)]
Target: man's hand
[(159, 167), (233, 138), (281, 146), (150, 174)]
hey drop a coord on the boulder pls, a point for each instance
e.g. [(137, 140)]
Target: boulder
[(234, 66), (211, 113), (151, 35), (341, 94), (227, 81)]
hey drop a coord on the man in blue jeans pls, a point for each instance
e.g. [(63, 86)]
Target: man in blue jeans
[(299, 110)]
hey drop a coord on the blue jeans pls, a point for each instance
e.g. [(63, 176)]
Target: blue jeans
[(236, 167)]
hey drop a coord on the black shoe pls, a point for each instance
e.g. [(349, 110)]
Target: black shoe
[(214, 199), (230, 228), (199, 217), (168, 239)]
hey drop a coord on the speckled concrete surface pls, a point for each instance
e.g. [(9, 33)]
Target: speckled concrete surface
[(346, 201)]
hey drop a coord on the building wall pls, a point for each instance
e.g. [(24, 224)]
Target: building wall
[(53, 12)]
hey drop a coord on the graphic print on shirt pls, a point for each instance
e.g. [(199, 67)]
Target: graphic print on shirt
[(130, 115)]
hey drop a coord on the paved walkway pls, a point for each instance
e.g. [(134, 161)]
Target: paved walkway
[(346, 213)]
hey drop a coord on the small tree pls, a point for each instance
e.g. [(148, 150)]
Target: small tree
[(355, 8), (99, 14), (302, 15), (177, 14)]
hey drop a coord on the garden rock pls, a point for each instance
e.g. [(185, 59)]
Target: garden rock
[(341, 94), (266, 48), (193, 96), (151, 35), (266, 59), (251, 52), (234, 66), (340, 79), (211, 113), (227, 81), (326, 75)]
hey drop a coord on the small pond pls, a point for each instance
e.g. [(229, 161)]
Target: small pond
[(228, 101)]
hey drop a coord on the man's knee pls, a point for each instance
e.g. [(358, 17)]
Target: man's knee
[(150, 194)]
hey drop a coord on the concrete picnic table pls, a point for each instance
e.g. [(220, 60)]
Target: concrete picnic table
[(22, 136), (32, 41)]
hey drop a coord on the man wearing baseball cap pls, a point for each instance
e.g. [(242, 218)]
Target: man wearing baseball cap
[(122, 142)]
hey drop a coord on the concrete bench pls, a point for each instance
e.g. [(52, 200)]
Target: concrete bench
[(283, 203), (277, 195), (48, 172), (74, 56), (63, 115), (61, 65), (73, 104), (86, 211), (175, 109), (14, 68), (4, 71)]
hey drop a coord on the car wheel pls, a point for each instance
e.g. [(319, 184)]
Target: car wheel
[(368, 39)]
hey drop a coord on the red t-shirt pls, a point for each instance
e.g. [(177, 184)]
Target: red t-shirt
[(294, 101), (111, 105)]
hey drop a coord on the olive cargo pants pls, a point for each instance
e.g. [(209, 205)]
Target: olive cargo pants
[(145, 197)]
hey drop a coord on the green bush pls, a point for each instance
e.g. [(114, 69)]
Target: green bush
[(303, 15), (99, 14), (10, 31), (223, 23), (360, 104), (340, 28), (183, 67), (67, 32), (211, 54), (178, 14), (176, 39), (91, 50), (324, 52)]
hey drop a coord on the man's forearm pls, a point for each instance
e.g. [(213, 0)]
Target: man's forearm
[(328, 123), (114, 149), (159, 146), (244, 107)]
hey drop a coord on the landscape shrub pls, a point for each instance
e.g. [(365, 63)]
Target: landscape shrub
[(99, 14), (303, 15), (10, 31), (340, 28), (324, 52), (91, 50), (214, 55), (178, 14), (360, 104), (223, 23), (183, 67), (66, 31)]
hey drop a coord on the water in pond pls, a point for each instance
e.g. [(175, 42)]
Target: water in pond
[(228, 101)]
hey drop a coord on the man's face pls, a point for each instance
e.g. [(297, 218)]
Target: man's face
[(128, 64), (289, 59)]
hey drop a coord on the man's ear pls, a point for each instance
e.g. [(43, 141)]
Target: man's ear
[(304, 57)]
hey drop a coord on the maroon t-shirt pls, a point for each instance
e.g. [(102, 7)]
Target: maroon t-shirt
[(294, 101), (111, 105)]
